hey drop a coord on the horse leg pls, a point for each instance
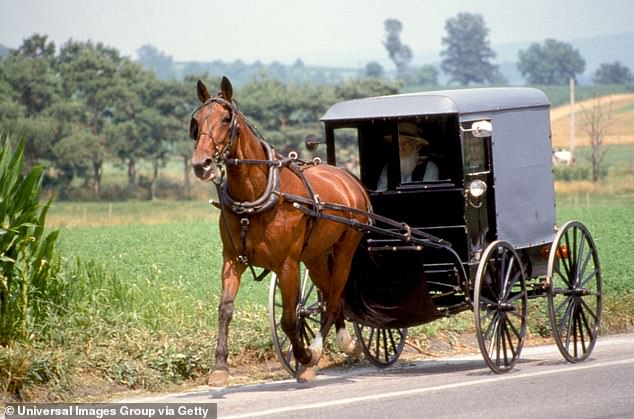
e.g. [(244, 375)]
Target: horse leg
[(326, 273), (338, 266), (289, 286), (231, 273), (349, 345)]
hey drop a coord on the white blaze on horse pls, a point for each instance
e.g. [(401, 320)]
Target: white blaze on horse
[(264, 200)]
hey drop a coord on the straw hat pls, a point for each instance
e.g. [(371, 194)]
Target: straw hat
[(411, 131)]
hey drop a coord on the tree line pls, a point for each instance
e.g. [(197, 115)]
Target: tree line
[(467, 58), (82, 105)]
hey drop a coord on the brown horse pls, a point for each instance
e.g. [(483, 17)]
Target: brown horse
[(261, 225)]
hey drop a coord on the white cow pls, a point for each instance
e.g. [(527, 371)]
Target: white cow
[(561, 156)]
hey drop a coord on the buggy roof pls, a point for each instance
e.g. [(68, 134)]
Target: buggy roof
[(463, 101)]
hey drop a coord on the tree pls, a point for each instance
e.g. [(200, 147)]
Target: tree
[(613, 73), (552, 63), (91, 75), (400, 53), (426, 75), (125, 139), (596, 123), (467, 55), (153, 59), (374, 70), (355, 89), (32, 86), (163, 122)]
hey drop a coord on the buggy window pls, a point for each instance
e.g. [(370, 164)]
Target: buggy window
[(475, 152), (347, 156)]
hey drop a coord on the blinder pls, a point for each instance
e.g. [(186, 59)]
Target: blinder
[(219, 155), (193, 129)]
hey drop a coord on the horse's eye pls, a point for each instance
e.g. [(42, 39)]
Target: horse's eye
[(193, 129), (226, 119)]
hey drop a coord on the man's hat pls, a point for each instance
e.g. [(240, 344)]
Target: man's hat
[(411, 131)]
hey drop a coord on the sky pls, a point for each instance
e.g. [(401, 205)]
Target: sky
[(320, 32)]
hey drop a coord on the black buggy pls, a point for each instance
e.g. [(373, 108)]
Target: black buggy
[(481, 235)]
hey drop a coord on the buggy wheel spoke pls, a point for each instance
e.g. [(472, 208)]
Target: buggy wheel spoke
[(590, 311), (513, 329), (589, 277), (515, 297), (385, 345), (484, 301), (382, 347), (583, 265), (490, 337), (507, 285)]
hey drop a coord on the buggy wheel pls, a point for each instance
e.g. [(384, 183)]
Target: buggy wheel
[(500, 306), (382, 347), (309, 310), (574, 291)]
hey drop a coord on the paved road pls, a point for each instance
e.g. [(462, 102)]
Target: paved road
[(542, 385)]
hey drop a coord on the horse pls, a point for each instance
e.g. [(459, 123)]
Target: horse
[(264, 202)]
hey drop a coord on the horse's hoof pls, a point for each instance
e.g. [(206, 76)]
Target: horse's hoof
[(315, 356), (348, 345), (218, 378), (354, 350), (315, 349), (306, 374)]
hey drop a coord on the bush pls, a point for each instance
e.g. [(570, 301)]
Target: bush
[(27, 260), (569, 173)]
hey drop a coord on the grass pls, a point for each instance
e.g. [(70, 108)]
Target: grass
[(95, 214), (139, 308), (137, 304)]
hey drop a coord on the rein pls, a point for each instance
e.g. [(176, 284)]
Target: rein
[(270, 195)]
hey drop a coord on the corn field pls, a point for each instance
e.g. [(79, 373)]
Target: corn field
[(27, 260)]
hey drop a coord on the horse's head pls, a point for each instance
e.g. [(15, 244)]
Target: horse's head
[(214, 127)]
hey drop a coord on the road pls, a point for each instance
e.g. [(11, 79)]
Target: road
[(542, 385)]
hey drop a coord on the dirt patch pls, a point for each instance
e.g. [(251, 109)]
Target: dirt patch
[(620, 108)]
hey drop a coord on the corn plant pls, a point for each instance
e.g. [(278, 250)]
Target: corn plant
[(27, 259)]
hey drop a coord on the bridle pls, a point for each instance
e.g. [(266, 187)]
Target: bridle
[(220, 156)]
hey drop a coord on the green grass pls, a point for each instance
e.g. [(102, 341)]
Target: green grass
[(83, 214), (610, 223), (139, 304), (618, 157)]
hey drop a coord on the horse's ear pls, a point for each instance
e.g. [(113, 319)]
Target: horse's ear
[(226, 89), (203, 93)]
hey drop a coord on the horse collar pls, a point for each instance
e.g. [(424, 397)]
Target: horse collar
[(268, 198)]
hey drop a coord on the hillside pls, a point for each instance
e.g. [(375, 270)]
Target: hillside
[(619, 108)]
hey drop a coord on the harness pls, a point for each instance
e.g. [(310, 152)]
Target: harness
[(310, 205), (271, 193)]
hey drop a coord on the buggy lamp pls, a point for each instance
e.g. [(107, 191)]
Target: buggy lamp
[(477, 189)]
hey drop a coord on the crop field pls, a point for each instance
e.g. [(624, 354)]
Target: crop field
[(187, 254), (150, 317), (142, 283)]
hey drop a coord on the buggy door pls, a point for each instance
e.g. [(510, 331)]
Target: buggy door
[(477, 167)]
